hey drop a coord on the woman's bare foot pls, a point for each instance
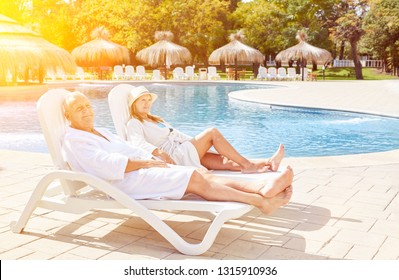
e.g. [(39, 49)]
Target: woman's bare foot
[(278, 184), (276, 159), (275, 202), (257, 167)]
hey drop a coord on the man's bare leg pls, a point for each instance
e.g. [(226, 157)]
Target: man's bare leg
[(268, 188), (275, 202), (213, 191), (272, 188)]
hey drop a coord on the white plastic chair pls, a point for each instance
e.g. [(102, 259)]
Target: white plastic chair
[(178, 73), (129, 73), (82, 75), (305, 74), (281, 74), (262, 73), (291, 74), (156, 75), (212, 73), (77, 192), (119, 108), (58, 74), (140, 72), (272, 73), (118, 73), (189, 73)]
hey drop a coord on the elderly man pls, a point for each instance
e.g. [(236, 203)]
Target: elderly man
[(134, 171)]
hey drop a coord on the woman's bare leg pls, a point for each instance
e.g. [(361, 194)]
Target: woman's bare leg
[(214, 191), (212, 137), (213, 161), (277, 157)]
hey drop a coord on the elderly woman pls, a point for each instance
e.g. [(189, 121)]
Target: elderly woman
[(156, 136), (97, 151)]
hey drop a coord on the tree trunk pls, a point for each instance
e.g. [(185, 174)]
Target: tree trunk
[(356, 61), (255, 68), (15, 76), (235, 68), (222, 66), (26, 76), (395, 61), (341, 50), (3, 80), (41, 75)]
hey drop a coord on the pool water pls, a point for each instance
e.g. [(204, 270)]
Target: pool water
[(255, 130)]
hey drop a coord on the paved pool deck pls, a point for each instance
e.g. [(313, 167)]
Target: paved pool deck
[(344, 207)]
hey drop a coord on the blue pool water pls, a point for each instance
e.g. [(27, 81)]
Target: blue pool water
[(254, 129)]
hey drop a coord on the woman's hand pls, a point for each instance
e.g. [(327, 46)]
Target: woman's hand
[(163, 156)]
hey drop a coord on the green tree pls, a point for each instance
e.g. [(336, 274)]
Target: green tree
[(349, 27), (116, 16), (272, 25), (382, 37), (52, 19), (263, 23), (199, 25), (196, 24), (16, 9)]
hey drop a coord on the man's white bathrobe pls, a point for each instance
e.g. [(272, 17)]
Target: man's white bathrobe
[(149, 136), (107, 159)]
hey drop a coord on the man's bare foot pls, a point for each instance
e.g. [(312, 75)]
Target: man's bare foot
[(278, 184), (271, 204), (276, 159)]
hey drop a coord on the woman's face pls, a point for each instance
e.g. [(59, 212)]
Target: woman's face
[(143, 104)]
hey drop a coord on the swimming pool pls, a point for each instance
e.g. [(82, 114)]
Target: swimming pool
[(254, 129)]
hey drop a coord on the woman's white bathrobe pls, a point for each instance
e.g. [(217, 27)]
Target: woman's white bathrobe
[(93, 154), (149, 136)]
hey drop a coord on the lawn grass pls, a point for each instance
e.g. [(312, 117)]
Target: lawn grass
[(348, 73), (331, 73), (337, 73)]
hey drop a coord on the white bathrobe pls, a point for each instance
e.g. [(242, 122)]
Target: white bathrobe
[(93, 154), (149, 136)]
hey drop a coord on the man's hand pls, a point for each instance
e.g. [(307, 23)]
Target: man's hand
[(163, 156), (137, 164)]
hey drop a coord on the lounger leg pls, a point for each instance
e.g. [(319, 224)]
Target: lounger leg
[(183, 246), (18, 227)]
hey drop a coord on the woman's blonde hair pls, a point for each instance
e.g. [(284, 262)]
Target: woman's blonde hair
[(134, 114)]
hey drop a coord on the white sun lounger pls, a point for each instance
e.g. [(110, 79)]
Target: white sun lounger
[(76, 192)]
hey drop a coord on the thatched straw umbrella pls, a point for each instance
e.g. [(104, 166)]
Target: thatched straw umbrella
[(100, 51), (23, 49), (236, 53), (304, 52), (164, 52)]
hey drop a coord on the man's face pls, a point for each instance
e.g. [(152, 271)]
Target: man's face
[(79, 112)]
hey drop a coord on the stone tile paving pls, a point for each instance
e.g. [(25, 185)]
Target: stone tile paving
[(343, 207), (335, 213)]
